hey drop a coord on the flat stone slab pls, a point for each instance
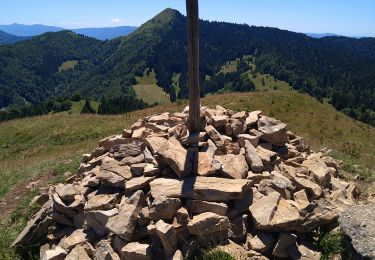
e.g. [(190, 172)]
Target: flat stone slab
[(358, 223), (200, 188)]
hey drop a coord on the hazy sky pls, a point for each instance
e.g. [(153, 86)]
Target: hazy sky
[(346, 17)]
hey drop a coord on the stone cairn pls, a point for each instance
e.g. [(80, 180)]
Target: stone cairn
[(258, 192)]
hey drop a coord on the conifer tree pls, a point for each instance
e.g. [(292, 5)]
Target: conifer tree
[(87, 108)]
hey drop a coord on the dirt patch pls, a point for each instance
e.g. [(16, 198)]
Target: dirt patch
[(15, 195)]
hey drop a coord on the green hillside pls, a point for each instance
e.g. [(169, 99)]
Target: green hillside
[(338, 69), (147, 89)]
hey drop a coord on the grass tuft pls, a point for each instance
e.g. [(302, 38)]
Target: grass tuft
[(331, 244)]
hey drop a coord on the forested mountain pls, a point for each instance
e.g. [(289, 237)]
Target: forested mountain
[(28, 69), (338, 68), (6, 38)]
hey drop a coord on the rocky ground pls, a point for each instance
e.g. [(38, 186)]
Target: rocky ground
[(358, 224), (259, 190)]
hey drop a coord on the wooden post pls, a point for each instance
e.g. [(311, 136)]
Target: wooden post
[(193, 61)]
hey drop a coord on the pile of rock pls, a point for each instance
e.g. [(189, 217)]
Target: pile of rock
[(258, 191)]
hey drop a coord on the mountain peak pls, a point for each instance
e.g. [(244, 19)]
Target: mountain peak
[(164, 18)]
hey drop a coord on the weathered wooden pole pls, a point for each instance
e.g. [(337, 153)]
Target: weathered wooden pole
[(193, 61)]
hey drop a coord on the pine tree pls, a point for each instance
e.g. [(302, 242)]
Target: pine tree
[(87, 108)]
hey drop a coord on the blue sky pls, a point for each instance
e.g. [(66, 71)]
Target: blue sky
[(346, 17)]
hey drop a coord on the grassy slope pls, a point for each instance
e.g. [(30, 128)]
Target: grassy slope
[(34, 140), (78, 105), (149, 91), (70, 64), (32, 147)]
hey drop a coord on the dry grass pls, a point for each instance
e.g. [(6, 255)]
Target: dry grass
[(147, 89), (151, 94), (230, 66), (70, 64)]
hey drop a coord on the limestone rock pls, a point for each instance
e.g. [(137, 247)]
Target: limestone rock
[(303, 252), (137, 183), (132, 160), (111, 141), (164, 208), (207, 223), (101, 202), (198, 206), (210, 149), (207, 165), (262, 242), (200, 188), (159, 119), (234, 127), (252, 157), (223, 144), (168, 237), (176, 157), (155, 143), (320, 171), (143, 218), (178, 255), (314, 191), (235, 250), (66, 192), (76, 238), (238, 228), (274, 131), (240, 115), (137, 251), (37, 228), (78, 253), (233, 166), (285, 241), (253, 139), (218, 121), (258, 177), (55, 254), (182, 217), (150, 170), (274, 213), (301, 198), (97, 220), (125, 222), (103, 250), (320, 213), (252, 119), (112, 174), (132, 148)]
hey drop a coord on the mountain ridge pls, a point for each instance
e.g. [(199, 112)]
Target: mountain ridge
[(101, 33), (337, 68), (6, 38)]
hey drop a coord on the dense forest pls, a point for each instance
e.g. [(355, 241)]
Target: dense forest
[(339, 69)]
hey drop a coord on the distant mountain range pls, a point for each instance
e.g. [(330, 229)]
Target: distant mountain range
[(321, 35), (107, 33), (6, 38)]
